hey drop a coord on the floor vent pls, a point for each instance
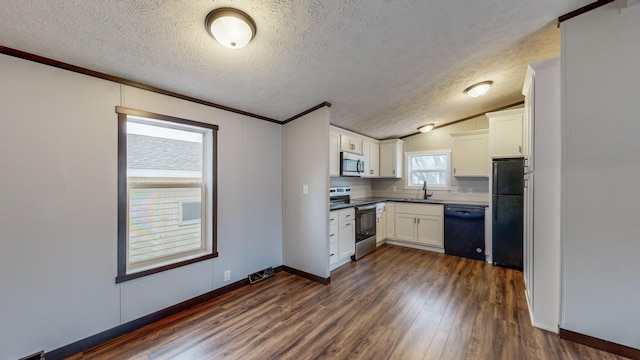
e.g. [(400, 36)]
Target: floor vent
[(37, 356), (261, 275)]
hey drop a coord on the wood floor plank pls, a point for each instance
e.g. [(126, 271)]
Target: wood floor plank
[(415, 343), (395, 303)]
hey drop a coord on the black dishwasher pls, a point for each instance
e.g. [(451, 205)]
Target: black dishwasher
[(464, 231)]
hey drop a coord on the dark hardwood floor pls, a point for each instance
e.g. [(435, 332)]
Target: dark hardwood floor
[(395, 303)]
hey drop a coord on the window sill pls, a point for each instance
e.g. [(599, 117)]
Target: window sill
[(127, 277)]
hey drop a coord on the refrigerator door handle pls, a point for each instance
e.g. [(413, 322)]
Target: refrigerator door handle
[(495, 177)]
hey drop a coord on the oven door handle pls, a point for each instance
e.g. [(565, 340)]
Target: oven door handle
[(365, 207)]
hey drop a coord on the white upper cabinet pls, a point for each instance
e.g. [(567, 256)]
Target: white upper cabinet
[(391, 158), (470, 153), (348, 143), (345, 140), (334, 154), (506, 133), (371, 152)]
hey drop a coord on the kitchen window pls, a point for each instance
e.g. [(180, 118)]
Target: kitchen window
[(166, 193), (430, 166)]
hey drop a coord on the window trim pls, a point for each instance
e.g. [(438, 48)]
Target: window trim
[(123, 112), (428, 152)]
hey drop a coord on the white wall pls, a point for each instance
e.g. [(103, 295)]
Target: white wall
[(601, 286), (58, 155), (306, 217)]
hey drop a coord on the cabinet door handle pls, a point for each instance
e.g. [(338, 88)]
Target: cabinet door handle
[(331, 235), (418, 220), (348, 215), (331, 254), (454, 170), (347, 224), (520, 149), (393, 171), (331, 219), (370, 171)]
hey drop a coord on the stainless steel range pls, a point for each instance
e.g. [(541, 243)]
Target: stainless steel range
[(365, 230), (365, 220)]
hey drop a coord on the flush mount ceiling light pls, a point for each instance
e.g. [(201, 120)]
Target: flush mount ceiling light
[(230, 27), (478, 89), (426, 128)]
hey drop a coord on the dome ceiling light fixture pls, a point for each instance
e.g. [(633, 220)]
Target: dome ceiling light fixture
[(426, 128), (479, 89), (231, 27)]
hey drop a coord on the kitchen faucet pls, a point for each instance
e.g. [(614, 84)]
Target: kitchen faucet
[(424, 188)]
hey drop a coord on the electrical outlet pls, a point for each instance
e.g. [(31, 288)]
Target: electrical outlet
[(227, 275), (305, 189), (394, 188), (469, 190), (454, 189)]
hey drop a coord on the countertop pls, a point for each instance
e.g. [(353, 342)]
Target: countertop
[(374, 200)]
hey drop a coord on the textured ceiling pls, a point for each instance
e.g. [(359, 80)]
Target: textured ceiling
[(386, 66)]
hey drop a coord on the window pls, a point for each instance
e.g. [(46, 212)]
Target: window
[(166, 193), (430, 166)]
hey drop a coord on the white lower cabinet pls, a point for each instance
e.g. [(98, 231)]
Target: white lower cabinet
[(334, 245), (342, 237), (419, 225), (430, 230), (347, 239), (390, 209), (381, 223)]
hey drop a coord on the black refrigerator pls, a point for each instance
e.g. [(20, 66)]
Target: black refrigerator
[(508, 208)]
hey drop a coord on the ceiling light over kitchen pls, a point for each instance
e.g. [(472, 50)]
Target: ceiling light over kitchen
[(230, 27), (478, 89), (426, 128)]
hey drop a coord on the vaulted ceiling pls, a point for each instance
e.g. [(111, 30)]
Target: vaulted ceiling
[(387, 67)]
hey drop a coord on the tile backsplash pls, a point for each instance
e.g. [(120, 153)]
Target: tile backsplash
[(479, 190), (364, 188)]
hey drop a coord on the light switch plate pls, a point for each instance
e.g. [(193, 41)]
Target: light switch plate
[(305, 189)]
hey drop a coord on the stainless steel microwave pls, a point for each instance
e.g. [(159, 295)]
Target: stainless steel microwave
[(351, 164)]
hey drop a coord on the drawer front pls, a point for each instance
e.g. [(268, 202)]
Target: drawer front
[(334, 233), (420, 209), (347, 214), (334, 256), (334, 217)]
